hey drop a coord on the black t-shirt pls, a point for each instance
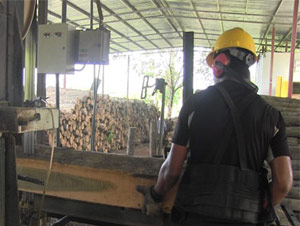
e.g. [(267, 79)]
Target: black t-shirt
[(205, 117)]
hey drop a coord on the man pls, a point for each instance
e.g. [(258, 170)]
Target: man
[(228, 131)]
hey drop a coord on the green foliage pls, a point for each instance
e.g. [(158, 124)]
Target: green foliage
[(109, 137)]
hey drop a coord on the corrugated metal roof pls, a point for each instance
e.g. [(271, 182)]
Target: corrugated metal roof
[(159, 24)]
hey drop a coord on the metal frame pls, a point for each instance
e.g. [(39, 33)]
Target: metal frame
[(270, 23), (86, 212), (169, 12)]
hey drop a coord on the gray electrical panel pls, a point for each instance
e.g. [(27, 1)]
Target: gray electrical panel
[(57, 48), (94, 46)]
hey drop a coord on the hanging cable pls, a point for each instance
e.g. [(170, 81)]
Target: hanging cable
[(49, 169)]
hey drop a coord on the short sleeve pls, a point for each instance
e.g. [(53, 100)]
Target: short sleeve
[(181, 134), (279, 144)]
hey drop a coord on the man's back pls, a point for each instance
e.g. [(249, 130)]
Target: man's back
[(206, 119)]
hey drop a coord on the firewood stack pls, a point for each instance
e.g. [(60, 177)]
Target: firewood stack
[(113, 118)]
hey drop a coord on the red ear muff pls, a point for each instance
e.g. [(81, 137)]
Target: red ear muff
[(220, 63)]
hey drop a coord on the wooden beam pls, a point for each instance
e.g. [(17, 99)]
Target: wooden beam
[(107, 179)]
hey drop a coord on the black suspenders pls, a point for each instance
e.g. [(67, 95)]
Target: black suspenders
[(237, 128)]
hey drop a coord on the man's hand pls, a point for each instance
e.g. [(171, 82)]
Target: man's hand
[(152, 202)]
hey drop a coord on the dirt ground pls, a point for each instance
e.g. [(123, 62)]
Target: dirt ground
[(139, 150)]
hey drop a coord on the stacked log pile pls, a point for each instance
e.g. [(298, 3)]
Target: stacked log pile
[(290, 110), (113, 118), (170, 124)]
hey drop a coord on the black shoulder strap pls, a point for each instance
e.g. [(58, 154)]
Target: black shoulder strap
[(223, 145), (237, 127)]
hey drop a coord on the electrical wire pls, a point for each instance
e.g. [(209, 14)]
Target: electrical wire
[(80, 68), (49, 169)]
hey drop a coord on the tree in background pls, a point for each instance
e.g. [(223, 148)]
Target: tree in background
[(173, 77), (169, 66), (166, 65)]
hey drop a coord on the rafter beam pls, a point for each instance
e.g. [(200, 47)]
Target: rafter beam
[(200, 21), (205, 11), (270, 23), (127, 24), (59, 17), (246, 10), (78, 25), (220, 15), (286, 36), (165, 17), (146, 21), (170, 11), (72, 5), (205, 18)]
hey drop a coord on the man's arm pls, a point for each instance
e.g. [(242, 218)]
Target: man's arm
[(171, 169), (282, 178)]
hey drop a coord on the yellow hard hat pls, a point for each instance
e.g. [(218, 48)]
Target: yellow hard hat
[(235, 37)]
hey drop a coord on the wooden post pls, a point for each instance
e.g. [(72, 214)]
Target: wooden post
[(131, 140), (153, 138), (2, 181)]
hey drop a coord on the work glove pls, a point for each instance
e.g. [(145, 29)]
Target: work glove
[(152, 202)]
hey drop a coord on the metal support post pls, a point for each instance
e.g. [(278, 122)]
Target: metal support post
[(41, 78), (188, 58), (91, 14), (162, 121), (64, 11), (272, 61), (95, 86), (2, 181), (128, 75), (58, 107), (293, 44)]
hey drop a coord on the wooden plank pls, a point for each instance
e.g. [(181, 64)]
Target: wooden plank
[(296, 174), (21, 119), (294, 204), (295, 151), (292, 121), (294, 193), (296, 164), (291, 215), (282, 217), (108, 179), (293, 141), (293, 131)]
